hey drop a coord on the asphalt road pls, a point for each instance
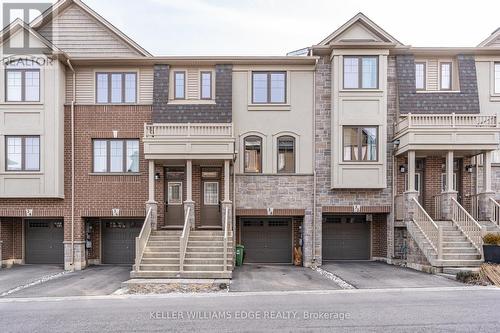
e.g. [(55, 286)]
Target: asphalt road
[(466, 309)]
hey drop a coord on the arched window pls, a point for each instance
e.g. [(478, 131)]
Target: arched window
[(286, 154), (253, 154)]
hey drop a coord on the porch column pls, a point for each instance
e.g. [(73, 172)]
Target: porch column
[(227, 205), (485, 207), (449, 193), (189, 203), (151, 203), (411, 192)]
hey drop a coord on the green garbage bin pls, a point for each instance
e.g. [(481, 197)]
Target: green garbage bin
[(239, 254)]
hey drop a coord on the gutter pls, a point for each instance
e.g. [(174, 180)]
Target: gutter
[(73, 98)]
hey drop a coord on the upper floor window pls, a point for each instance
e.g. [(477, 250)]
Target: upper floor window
[(206, 85), (112, 155), (268, 87), (253, 154), (179, 85), (360, 143), (22, 153), (22, 83), (420, 76), (445, 70), (286, 154), (116, 87), (497, 78), (360, 72)]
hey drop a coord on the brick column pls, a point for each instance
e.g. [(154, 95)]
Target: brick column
[(191, 220), (485, 206), (450, 192), (151, 203)]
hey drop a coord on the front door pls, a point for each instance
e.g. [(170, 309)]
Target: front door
[(174, 209), (210, 198)]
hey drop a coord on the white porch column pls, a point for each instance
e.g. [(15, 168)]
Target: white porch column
[(227, 177), (151, 203), (411, 171), (487, 172), (449, 171), (189, 180)]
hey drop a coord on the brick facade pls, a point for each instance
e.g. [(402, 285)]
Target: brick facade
[(220, 112), (464, 101)]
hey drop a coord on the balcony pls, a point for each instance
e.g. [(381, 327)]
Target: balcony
[(189, 141), (465, 132)]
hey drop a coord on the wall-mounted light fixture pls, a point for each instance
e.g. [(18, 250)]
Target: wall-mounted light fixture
[(157, 176), (469, 168), (403, 168)]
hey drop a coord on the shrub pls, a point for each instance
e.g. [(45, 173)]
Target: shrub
[(491, 239)]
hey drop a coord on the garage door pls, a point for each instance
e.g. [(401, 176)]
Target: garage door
[(267, 240), (44, 242), (118, 240), (346, 238)]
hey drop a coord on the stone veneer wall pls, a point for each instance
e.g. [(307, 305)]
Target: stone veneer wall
[(323, 153), (464, 101), (279, 192), (220, 112)]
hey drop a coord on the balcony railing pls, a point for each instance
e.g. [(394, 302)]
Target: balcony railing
[(188, 130), (417, 121)]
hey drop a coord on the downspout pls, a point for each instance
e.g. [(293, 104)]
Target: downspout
[(73, 97), (314, 167)]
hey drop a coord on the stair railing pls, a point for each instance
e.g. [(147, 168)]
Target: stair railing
[(428, 228), (474, 201), (495, 217), (467, 224), (142, 239), (437, 213), (226, 236), (184, 239)]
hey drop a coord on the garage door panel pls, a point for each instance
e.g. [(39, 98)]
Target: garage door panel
[(118, 241), (346, 238), (267, 240), (44, 242)]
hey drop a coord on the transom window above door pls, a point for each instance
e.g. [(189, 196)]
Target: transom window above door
[(360, 72), (116, 88)]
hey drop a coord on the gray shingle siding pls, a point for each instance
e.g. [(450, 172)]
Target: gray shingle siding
[(220, 112), (465, 101)]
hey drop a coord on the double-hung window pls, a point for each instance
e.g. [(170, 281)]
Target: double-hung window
[(268, 87), (360, 72), (22, 82), (115, 156), (206, 85), (180, 85), (497, 77), (22, 153), (420, 76), (360, 143), (116, 88), (445, 70)]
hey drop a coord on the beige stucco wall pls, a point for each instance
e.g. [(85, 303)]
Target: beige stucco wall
[(44, 118), (294, 118), (360, 107)]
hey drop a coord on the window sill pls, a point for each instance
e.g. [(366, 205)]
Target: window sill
[(269, 107), (21, 103), (115, 174), (22, 173), (361, 90), (191, 101), (438, 91), (495, 98)]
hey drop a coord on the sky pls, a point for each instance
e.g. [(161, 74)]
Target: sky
[(275, 27)]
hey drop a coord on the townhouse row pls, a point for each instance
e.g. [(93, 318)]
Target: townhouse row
[(362, 148)]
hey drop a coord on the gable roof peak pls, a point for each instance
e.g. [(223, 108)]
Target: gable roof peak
[(360, 17)]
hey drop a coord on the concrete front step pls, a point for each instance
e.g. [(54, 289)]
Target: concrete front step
[(164, 238), (206, 249), (179, 275), (455, 270), (458, 256), (459, 263), (162, 248), (160, 261), (204, 268), (163, 243), (454, 238), (158, 267), (463, 250), (205, 261), (149, 254), (208, 243), (457, 244), (208, 255)]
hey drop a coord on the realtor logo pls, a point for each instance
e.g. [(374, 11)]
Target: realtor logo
[(22, 13)]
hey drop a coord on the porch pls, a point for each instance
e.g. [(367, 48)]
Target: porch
[(189, 228)]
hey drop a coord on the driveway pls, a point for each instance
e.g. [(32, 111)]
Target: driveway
[(95, 280), (278, 278), (375, 275), (20, 275)]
